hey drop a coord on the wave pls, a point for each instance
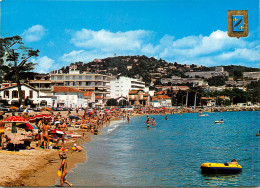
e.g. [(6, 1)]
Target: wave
[(112, 127)]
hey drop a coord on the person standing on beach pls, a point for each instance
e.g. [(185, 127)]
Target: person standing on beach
[(40, 133), (63, 168), (45, 135), (63, 127), (2, 131)]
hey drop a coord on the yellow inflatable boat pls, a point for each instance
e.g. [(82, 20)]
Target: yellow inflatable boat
[(220, 168)]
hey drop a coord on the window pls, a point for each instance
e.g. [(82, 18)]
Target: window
[(23, 93), (31, 94), (14, 94), (6, 94)]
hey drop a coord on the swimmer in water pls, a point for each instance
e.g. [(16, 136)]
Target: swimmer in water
[(153, 122)]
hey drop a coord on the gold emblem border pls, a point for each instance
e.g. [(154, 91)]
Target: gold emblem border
[(230, 25)]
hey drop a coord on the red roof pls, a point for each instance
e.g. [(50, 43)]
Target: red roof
[(163, 97), (65, 89), (88, 94), (133, 92), (154, 99), (98, 97), (161, 93), (146, 94)]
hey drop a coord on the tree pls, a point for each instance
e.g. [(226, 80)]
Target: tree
[(15, 63), (216, 81), (112, 102)]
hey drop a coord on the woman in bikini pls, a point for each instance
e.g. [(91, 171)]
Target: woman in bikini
[(45, 135), (63, 168)]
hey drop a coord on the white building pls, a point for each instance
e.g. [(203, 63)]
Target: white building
[(87, 82), (251, 75), (68, 97), (121, 86), (219, 71), (10, 94), (89, 99), (47, 100)]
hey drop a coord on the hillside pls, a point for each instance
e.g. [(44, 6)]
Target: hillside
[(133, 66), (148, 68)]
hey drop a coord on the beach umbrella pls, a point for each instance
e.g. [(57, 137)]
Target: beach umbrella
[(15, 119), (45, 108), (41, 116), (45, 113), (13, 108), (74, 117), (26, 126), (56, 131)]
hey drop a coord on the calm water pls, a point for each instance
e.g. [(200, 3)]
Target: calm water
[(171, 153)]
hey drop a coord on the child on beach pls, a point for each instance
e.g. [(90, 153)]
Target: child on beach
[(63, 168)]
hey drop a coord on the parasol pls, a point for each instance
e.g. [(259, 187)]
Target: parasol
[(15, 119), (46, 109), (56, 131), (41, 116), (13, 108), (26, 126)]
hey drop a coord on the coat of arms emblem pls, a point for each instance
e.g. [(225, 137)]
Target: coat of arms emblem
[(238, 23)]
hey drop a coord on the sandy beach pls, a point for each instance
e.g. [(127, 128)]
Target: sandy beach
[(37, 167)]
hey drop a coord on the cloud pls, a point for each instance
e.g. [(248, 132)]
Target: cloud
[(244, 54), (34, 33), (44, 64), (109, 41), (215, 49), (84, 56)]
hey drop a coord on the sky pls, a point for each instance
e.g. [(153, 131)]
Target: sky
[(183, 31)]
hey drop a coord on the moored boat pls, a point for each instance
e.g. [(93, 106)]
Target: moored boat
[(220, 168)]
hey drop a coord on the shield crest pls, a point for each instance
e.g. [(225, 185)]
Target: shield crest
[(238, 23)]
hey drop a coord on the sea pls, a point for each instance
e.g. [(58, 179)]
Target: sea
[(171, 153)]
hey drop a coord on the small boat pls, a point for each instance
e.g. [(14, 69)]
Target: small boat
[(220, 168), (202, 115), (219, 121)]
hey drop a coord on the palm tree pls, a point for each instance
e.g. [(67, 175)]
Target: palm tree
[(14, 61)]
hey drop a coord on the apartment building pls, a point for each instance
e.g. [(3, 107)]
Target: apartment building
[(219, 71), (251, 75), (175, 80), (121, 86), (87, 82)]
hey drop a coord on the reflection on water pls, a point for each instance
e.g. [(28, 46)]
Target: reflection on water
[(221, 180), (171, 153)]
